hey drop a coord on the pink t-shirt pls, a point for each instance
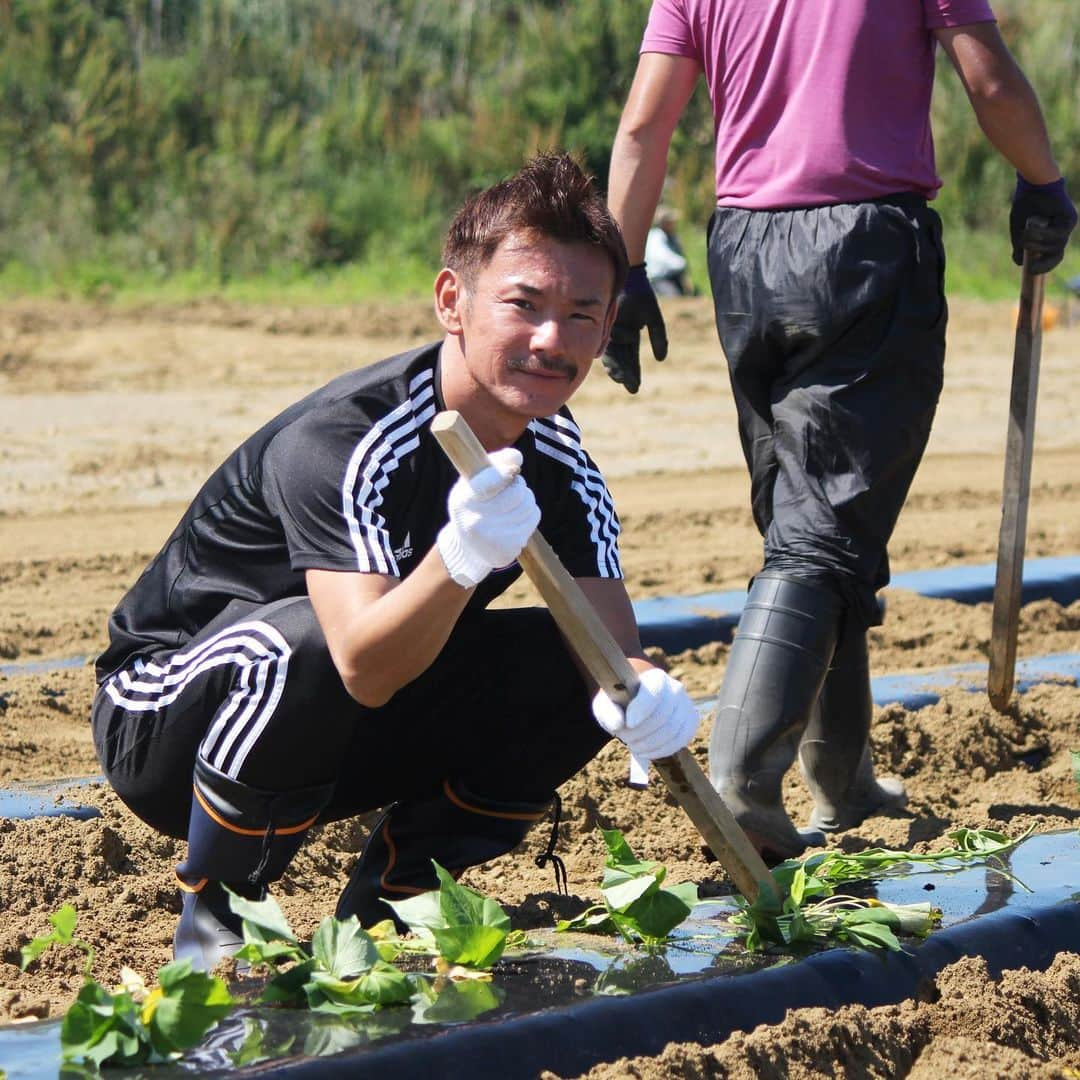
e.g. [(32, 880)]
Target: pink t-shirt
[(815, 101)]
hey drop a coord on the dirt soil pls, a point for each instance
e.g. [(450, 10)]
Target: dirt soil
[(111, 418)]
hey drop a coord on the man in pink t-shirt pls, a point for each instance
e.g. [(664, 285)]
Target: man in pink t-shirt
[(826, 267)]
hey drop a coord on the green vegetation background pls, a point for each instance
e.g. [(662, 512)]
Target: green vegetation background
[(313, 149)]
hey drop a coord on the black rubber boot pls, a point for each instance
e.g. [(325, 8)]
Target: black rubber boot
[(208, 932), (834, 754), (775, 670), (238, 836), (455, 828)]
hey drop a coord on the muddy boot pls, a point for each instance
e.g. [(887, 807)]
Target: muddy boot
[(834, 755), (455, 828), (775, 670), (240, 837)]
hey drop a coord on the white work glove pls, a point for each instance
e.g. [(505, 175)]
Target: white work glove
[(659, 720), (492, 515)]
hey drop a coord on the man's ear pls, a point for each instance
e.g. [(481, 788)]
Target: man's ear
[(449, 299)]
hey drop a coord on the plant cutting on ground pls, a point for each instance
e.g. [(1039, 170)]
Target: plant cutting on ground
[(134, 1024), (636, 904), (813, 912), (462, 928), (343, 972), (347, 971)]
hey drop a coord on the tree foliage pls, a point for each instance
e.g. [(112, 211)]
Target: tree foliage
[(228, 136)]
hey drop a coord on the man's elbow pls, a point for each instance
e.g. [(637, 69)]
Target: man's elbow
[(366, 689), (994, 90), (639, 138)]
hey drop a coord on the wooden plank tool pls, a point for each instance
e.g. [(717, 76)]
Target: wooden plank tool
[(604, 660)]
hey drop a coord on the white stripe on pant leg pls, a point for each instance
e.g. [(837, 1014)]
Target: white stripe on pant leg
[(253, 720), (178, 668), (238, 700), (156, 698), (268, 710), (255, 705), (235, 633)]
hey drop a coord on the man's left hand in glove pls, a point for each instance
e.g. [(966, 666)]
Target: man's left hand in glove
[(659, 720), (1040, 222), (637, 308)]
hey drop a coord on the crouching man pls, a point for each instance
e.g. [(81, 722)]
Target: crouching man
[(314, 639)]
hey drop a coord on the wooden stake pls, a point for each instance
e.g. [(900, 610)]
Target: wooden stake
[(1019, 444)]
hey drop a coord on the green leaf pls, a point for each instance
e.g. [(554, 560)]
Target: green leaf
[(63, 922), (271, 953), (473, 946), (63, 930), (871, 935), (792, 929), (263, 919), (621, 858), (324, 989), (320, 1002), (464, 907), (1075, 756), (192, 1003), (916, 919), (981, 842), (594, 920), (343, 948), (619, 853), (686, 891), (100, 1027), (654, 916), (797, 890), (384, 984), (287, 987), (422, 912), (620, 897)]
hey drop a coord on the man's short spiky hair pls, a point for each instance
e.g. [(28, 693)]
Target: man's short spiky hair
[(551, 196)]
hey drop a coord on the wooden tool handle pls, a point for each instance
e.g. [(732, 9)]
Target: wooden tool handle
[(1016, 489), (605, 661)]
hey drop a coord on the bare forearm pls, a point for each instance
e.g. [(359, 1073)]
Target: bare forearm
[(636, 179), (387, 643), (1013, 122), (1003, 100), (662, 86)]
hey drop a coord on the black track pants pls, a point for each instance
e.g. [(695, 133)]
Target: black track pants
[(502, 710), (832, 320)]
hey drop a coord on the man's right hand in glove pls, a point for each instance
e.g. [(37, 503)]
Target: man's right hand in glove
[(1041, 220), (637, 308), (492, 516)]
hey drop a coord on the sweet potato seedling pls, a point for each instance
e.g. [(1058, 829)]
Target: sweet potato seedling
[(342, 973), (133, 1025), (63, 933), (463, 927), (636, 903), (814, 912)]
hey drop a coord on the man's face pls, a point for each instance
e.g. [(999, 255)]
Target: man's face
[(530, 324)]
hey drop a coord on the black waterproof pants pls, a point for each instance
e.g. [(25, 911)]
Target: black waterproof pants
[(502, 711), (832, 320)]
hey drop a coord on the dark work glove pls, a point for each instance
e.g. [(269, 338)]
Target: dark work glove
[(1040, 222), (637, 308)]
